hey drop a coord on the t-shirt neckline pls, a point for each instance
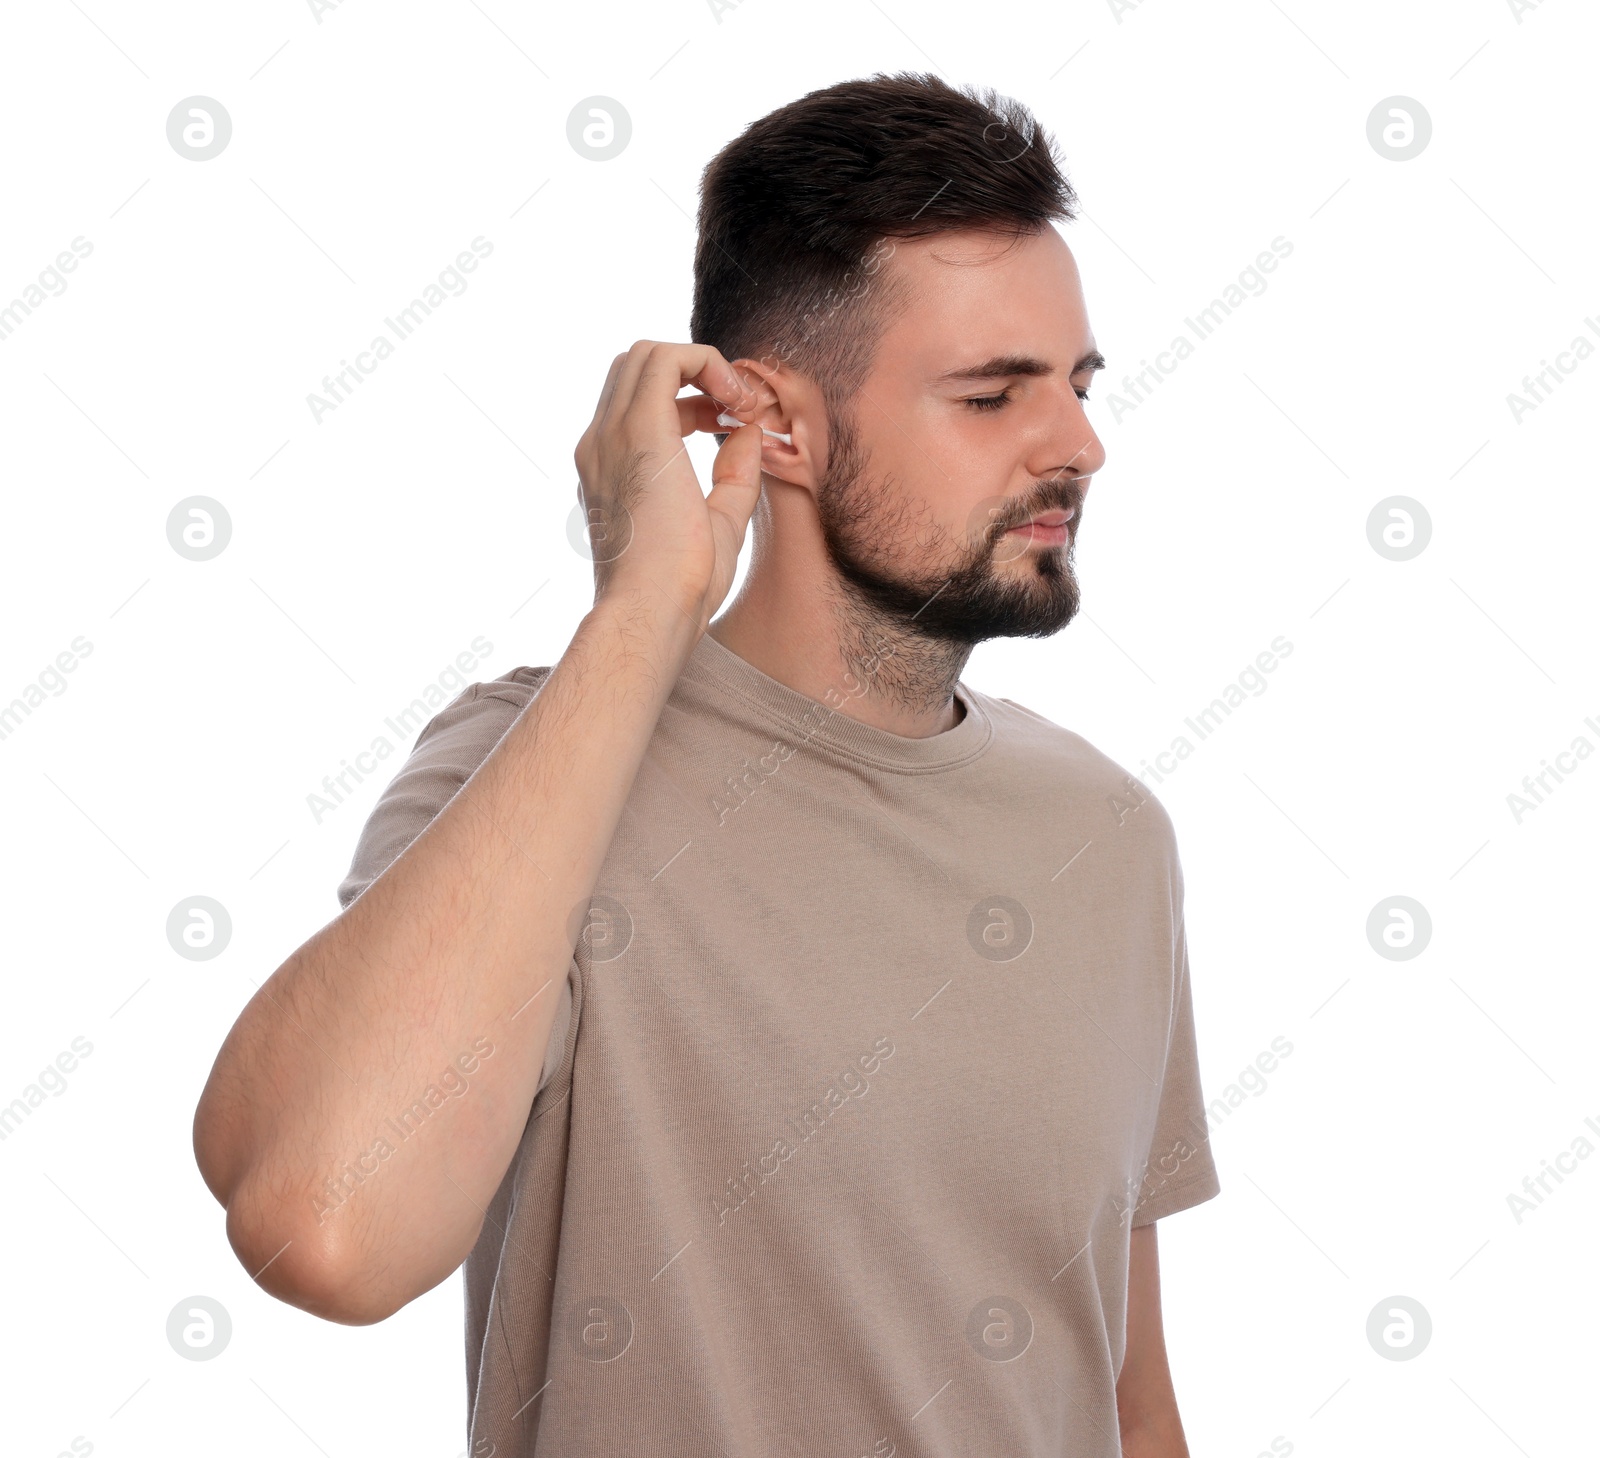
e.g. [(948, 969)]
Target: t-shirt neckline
[(807, 723)]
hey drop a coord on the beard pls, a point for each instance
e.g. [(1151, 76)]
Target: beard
[(956, 593)]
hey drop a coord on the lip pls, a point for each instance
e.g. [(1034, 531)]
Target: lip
[(1049, 528)]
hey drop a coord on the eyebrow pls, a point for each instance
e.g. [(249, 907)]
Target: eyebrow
[(1004, 366)]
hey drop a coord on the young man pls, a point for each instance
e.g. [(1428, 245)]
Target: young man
[(795, 1042)]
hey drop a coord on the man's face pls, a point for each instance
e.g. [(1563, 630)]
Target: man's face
[(955, 481)]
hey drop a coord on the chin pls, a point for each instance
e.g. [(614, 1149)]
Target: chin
[(1007, 614)]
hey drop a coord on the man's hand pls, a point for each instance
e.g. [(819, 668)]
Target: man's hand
[(654, 534), (1147, 1407)]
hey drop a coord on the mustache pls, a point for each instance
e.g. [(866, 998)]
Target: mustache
[(1058, 493)]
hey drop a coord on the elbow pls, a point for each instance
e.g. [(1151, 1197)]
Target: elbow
[(214, 1139), (329, 1260), (304, 1265), (290, 1252), (290, 1242)]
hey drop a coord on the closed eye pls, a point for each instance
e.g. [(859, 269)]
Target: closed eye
[(1004, 397)]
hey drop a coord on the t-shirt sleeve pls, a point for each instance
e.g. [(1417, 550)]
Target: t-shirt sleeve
[(450, 747), (1179, 1171)]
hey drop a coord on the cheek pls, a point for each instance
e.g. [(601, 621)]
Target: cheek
[(942, 475), (981, 484)]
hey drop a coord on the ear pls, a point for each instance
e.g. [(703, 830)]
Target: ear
[(790, 404)]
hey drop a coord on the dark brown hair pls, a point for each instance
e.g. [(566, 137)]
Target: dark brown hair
[(799, 212)]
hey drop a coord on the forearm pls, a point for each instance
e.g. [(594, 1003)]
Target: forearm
[(1155, 1434), (1147, 1405), (462, 943)]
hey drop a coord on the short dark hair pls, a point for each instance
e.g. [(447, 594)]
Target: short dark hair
[(795, 212)]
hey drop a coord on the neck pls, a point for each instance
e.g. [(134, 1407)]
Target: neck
[(840, 651)]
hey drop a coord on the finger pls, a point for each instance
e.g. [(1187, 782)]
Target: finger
[(664, 370), (736, 479), (698, 412), (629, 367), (609, 389), (731, 388), (585, 441)]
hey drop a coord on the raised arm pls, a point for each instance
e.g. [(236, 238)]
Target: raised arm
[(462, 943)]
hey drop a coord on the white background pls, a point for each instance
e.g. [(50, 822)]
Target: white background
[(369, 148)]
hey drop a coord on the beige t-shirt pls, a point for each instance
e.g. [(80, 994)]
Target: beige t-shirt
[(871, 1054)]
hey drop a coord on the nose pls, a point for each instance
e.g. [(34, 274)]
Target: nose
[(1068, 446)]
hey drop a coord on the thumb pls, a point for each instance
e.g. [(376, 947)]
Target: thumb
[(736, 482)]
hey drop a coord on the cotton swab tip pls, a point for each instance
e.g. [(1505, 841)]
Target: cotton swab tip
[(735, 423)]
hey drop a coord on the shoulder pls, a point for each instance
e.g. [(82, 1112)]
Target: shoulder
[(1062, 760), (484, 708), (517, 686), (518, 680), (449, 747)]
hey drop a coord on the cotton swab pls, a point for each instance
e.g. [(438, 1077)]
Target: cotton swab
[(726, 419)]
